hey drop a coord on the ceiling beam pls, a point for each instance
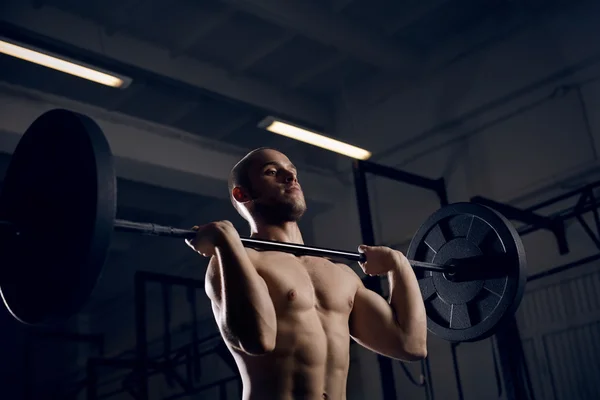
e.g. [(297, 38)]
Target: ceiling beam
[(179, 113), (317, 68), (265, 48), (231, 125), (126, 96), (320, 24), (80, 33), (169, 158), (197, 31)]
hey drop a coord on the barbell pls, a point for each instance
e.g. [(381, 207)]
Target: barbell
[(57, 215)]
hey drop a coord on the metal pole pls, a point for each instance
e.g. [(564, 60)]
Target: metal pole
[(457, 379), (368, 237), (141, 370)]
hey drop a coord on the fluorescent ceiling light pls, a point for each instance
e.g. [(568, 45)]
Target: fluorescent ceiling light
[(285, 129), (59, 63)]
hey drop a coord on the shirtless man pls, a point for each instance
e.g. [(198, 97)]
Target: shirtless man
[(288, 320)]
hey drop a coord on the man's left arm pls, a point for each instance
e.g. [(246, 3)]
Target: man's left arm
[(397, 328)]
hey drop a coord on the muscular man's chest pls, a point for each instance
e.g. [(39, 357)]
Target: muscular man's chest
[(307, 283)]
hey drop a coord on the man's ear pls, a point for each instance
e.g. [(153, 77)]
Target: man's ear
[(240, 195)]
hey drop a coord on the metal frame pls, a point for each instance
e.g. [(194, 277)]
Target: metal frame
[(360, 169), (508, 341), (142, 359), (586, 202), (142, 366)]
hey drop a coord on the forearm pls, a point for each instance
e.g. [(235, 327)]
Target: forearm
[(407, 303), (246, 307)]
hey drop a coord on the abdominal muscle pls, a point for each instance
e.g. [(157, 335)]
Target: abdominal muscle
[(310, 360)]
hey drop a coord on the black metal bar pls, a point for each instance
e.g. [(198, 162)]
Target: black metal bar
[(373, 283), (437, 185), (511, 357), (595, 211), (587, 195), (268, 245), (428, 383), (589, 231), (194, 364), (166, 292), (397, 175), (141, 344), (564, 267), (457, 379), (563, 196), (514, 213), (259, 244), (441, 192), (540, 222), (563, 215)]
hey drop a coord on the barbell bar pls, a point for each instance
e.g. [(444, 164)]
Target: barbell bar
[(57, 216), (151, 229)]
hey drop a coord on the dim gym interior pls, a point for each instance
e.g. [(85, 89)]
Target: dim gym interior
[(336, 199)]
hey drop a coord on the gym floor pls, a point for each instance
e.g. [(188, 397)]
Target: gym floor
[(496, 101)]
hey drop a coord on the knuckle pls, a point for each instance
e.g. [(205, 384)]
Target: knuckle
[(223, 224)]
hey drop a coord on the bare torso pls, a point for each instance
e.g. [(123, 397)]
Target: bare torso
[(313, 299)]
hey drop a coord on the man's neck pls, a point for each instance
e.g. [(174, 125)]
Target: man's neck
[(288, 232)]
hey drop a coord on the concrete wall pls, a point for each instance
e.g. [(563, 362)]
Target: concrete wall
[(522, 149)]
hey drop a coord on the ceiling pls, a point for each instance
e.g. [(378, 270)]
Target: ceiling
[(215, 68)]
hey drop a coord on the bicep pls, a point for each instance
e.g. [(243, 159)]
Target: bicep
[(213, 289), (212, 282), (373, 324), (371, 314)]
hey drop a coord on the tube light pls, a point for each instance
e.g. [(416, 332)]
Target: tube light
[(59, 63), (306, 136)]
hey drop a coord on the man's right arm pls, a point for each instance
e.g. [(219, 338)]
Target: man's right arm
[(240, 298)]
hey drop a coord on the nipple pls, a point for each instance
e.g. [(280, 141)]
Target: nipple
[(291, 295)]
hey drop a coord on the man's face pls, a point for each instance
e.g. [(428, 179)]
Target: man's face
[(276, 193)]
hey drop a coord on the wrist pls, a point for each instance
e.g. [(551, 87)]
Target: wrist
[(400, 266), (226, 238)]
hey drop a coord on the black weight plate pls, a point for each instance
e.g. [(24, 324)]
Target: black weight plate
[(469, 306), (60, 193)]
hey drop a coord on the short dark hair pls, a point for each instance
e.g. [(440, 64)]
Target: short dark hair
[(239, 173)]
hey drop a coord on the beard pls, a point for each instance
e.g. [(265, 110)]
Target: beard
[(279, 211)]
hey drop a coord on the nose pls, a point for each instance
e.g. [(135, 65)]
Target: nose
[(289, 176)]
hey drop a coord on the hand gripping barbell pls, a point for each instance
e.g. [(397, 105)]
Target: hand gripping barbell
[(57, 215)]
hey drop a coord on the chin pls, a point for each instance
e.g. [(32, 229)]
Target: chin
[(277, 212)]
